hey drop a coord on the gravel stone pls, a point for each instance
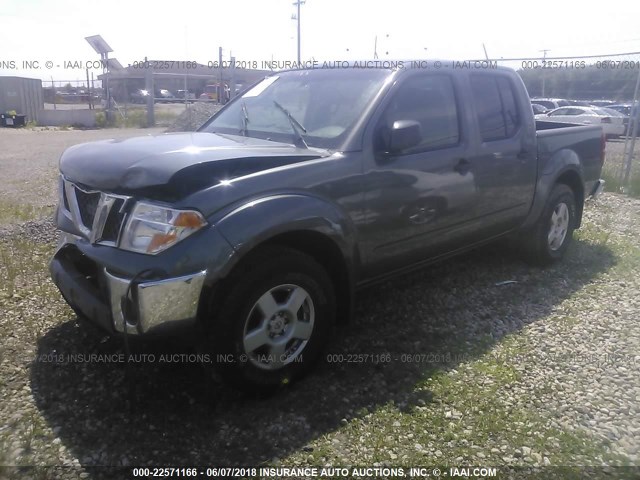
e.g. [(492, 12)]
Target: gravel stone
[(194, 116)]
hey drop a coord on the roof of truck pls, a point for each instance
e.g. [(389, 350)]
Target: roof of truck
[(391, 64)]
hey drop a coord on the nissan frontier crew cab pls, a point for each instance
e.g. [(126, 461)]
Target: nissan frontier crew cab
[(253, 233)]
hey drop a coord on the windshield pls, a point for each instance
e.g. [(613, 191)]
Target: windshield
[(326, 103)]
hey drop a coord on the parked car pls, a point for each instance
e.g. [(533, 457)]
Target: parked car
[(538, 109), (185, 95), (613, 126), (551, 103), (579, 103), (253, 234), (626, 109), (139, 96), (164, 96), (602, 103), (217, 93), (615, 113)]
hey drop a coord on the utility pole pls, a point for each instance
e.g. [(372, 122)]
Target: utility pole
[(298, 4), (150, 87), (220, 87), (544, 57)]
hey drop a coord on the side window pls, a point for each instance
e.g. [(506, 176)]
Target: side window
[(544, 103), (430, 101), (560, 111), (509, 108), (496, 106)]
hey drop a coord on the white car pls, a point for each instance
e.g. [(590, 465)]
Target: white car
[(612, 126), (551, 103)]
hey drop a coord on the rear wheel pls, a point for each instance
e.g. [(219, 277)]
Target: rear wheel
[(274, 320), (549, 239)]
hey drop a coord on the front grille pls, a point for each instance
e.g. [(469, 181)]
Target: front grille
[(114, 221), (87, 206), (65, 202), (97, 215)]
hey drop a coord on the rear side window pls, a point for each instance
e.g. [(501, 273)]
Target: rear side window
[(545, 104), (496, 108), (429, 100)]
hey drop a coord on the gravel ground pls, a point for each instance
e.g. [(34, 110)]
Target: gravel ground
[(29, 157), (194, 116), (541, 370), (29, 160), (589, 361)]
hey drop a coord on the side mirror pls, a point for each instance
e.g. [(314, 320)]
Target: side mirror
[(404, 134)]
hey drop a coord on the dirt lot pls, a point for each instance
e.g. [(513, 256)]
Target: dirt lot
[(470, 370)]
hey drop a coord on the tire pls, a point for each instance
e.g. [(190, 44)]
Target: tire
[(259, 344), (550, 237)]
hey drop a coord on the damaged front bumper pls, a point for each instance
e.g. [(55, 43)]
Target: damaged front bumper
[(98, 294)]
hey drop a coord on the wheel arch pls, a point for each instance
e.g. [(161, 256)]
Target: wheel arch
[(328, 254), (572, 179), (566, 170), (306, 223), (323, 249)]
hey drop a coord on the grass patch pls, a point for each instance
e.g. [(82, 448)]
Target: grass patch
[(613, 168), (12, 213), (135, 118), (613, 183), (24, 269)]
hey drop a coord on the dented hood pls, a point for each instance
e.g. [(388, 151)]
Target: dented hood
[(174, 165)]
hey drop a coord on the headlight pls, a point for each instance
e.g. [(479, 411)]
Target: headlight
[(153, 228)]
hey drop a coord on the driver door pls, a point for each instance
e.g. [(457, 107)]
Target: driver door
[(418, 200)]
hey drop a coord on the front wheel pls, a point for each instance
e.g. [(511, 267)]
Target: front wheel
[(274, 321), (552, 234)]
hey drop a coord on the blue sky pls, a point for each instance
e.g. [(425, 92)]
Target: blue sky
[(331, 29)]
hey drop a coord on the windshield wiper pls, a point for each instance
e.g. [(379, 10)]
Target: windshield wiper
[(295, 125), (245, 120)]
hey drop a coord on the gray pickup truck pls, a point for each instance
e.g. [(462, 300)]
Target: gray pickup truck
[(253, 233)]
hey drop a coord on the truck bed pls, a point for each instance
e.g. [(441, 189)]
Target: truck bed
[(557, 139)]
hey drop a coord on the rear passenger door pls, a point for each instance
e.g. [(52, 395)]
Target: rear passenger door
[(505, 164)]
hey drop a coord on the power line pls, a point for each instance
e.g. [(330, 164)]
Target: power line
[(565, 56)]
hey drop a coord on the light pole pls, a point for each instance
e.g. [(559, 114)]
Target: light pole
[(101, 47), (544, 57), (298, 4)]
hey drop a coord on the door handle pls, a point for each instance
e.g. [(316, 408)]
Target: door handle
[(463, 166)]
